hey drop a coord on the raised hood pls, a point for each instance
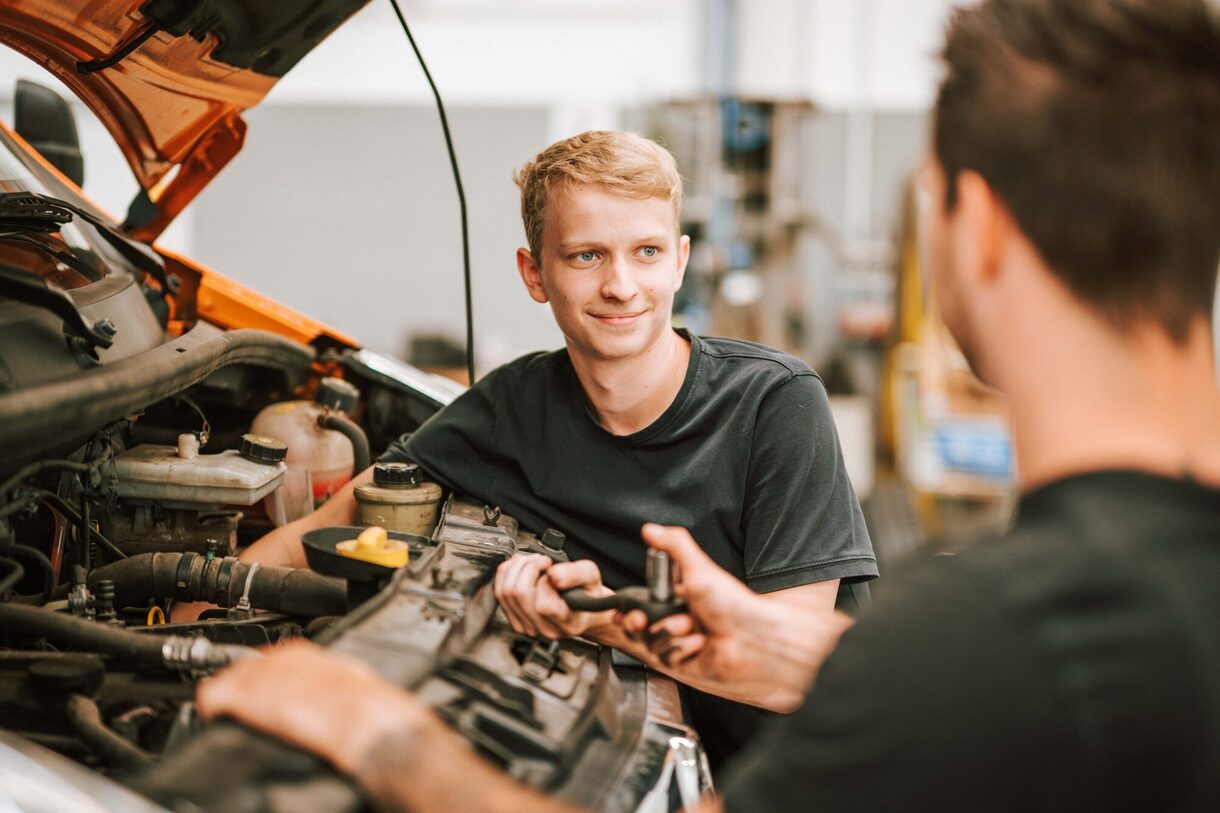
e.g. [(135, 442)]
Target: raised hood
[(170, 78)]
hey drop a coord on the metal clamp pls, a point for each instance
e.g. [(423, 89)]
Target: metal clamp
[(243, 609)]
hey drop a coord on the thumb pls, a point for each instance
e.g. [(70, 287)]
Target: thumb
[(568, 575)]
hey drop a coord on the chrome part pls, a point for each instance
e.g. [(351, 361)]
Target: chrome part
[(660, 574), (201, 655)]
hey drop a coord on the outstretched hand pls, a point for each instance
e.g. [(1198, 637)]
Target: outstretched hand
[(732, 640), (717, 604)]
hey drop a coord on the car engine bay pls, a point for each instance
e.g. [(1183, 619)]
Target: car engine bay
[(143, 445), (92, 668)]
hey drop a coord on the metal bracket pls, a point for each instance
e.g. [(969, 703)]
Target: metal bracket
[(540, 661)]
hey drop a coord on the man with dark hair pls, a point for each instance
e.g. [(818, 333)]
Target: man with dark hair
[(1074, 237)]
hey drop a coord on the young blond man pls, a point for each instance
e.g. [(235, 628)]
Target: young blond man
[(635, 421)]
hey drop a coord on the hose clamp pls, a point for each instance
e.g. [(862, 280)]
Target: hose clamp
[(242, 609), (222, 579), (182, 578)]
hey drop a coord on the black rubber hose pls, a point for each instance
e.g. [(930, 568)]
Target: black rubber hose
[(290, 590), (348, 427), (61, 505), (65, 629), (16, 572), (116, 750), (139, 578), (41, 466), (191, 577), (48, 570), (35, 419)]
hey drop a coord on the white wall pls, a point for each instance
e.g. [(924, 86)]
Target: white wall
[(842, 54), (572, 65)]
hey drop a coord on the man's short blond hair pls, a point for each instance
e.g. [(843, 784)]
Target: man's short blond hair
[(626, 163)]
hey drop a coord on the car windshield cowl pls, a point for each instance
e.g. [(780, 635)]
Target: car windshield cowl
[(30, 211)]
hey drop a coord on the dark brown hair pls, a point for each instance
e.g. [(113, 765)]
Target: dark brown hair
[(1097, 122)]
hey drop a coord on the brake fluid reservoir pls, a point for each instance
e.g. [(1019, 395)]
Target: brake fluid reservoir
[(398, 499), (319, 460)]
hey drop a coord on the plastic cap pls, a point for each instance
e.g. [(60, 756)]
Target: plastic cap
[(374, 545), (397, 474), (337, 394), (263, 449), (553, 539)]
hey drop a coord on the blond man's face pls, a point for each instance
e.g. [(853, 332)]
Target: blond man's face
[(610, 267)]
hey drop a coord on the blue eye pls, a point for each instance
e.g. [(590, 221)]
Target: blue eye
[(649, 251), (587, 256)]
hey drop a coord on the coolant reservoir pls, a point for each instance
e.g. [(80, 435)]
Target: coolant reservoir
[(398, 500), (319, 460), (181, 477)]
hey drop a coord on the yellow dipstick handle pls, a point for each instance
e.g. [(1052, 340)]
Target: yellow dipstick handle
[(155, 616), (374, 545)]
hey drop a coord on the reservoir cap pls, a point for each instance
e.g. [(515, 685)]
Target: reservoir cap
[(263, 449), (337, 394), (397, 474)]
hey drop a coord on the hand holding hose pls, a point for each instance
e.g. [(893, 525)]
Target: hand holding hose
[(656, 601)]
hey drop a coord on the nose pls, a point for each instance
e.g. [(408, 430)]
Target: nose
[(618, 283)]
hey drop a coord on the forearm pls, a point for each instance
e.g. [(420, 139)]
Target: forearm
[(423, 765), (282, 547)]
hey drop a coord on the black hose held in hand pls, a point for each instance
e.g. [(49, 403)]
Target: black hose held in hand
[(625, 600)]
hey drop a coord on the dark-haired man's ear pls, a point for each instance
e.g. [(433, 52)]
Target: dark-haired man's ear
[(531, 275), (982, 227)]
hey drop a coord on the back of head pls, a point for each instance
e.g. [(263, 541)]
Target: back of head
[(1097, 122), (624, 163)]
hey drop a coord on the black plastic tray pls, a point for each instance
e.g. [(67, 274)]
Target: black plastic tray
[(321, 555)]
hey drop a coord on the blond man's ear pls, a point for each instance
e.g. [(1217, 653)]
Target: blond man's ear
[(531, 275)]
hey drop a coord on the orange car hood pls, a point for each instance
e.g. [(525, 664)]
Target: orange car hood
[(174, 103)]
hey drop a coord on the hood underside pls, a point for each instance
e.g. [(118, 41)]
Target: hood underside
[(170, 78)]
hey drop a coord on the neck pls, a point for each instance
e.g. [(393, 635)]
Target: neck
[(1094, 400), (629, 394)]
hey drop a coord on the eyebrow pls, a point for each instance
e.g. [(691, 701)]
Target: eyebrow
[(572, 245)]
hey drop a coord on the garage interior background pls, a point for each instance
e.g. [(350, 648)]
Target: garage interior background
[(341, 203)]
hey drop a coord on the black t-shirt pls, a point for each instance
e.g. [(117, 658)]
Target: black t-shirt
[(746, 457), (1073, 664)]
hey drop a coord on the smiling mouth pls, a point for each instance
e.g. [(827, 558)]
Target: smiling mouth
[(617, 318)]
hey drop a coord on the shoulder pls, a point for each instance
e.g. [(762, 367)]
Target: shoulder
[(741, 367), (739, 353), (533, 368)]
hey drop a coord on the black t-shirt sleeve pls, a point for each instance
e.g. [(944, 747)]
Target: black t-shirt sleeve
[(450, 445), (936, 700), (802, 520)]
